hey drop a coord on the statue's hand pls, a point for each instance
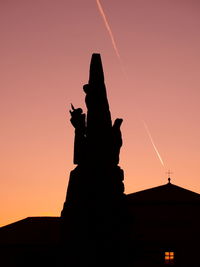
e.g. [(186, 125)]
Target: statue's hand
[(77, 118)]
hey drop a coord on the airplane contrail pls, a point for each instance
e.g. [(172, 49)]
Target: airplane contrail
[(108, 28), (111, 36), (154, 146), (118, 55)]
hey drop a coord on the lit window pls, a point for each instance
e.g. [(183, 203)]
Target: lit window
[(169, 257)]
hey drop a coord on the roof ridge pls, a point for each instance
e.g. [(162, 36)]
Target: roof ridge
[(163, 186)]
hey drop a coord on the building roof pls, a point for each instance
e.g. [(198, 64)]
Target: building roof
[(168, 193), (46, 230), (31, 230)]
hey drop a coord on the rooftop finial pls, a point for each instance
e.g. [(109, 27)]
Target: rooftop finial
[(169, 174)]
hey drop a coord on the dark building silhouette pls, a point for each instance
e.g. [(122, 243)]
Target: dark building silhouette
[(165, 219), (99, 224), (166, 226)]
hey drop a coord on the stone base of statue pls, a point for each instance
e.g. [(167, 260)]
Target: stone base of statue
[(93, 215)]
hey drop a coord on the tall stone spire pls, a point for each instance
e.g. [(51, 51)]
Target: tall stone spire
[(92, 212)]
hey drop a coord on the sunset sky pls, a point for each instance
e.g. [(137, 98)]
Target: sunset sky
[(45, 51)]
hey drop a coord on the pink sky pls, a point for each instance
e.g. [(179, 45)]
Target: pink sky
[(45, 51)]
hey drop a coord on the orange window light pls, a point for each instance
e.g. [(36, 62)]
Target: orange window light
[(169, 257)]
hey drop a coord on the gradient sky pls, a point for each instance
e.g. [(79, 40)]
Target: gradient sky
[(45, 50)]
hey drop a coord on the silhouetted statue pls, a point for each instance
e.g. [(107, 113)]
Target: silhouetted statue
[(93, 211), (78, 121)]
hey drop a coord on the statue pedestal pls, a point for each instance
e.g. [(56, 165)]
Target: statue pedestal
[(93, 214)]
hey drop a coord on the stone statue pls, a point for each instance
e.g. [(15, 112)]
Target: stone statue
[(92, 213), (78, 121)]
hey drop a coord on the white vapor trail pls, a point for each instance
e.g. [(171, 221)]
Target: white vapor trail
[(154, 146), (118, 55), (108, 28)]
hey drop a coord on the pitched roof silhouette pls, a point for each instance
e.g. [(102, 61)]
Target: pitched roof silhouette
[(165, 193), (31, 230)]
